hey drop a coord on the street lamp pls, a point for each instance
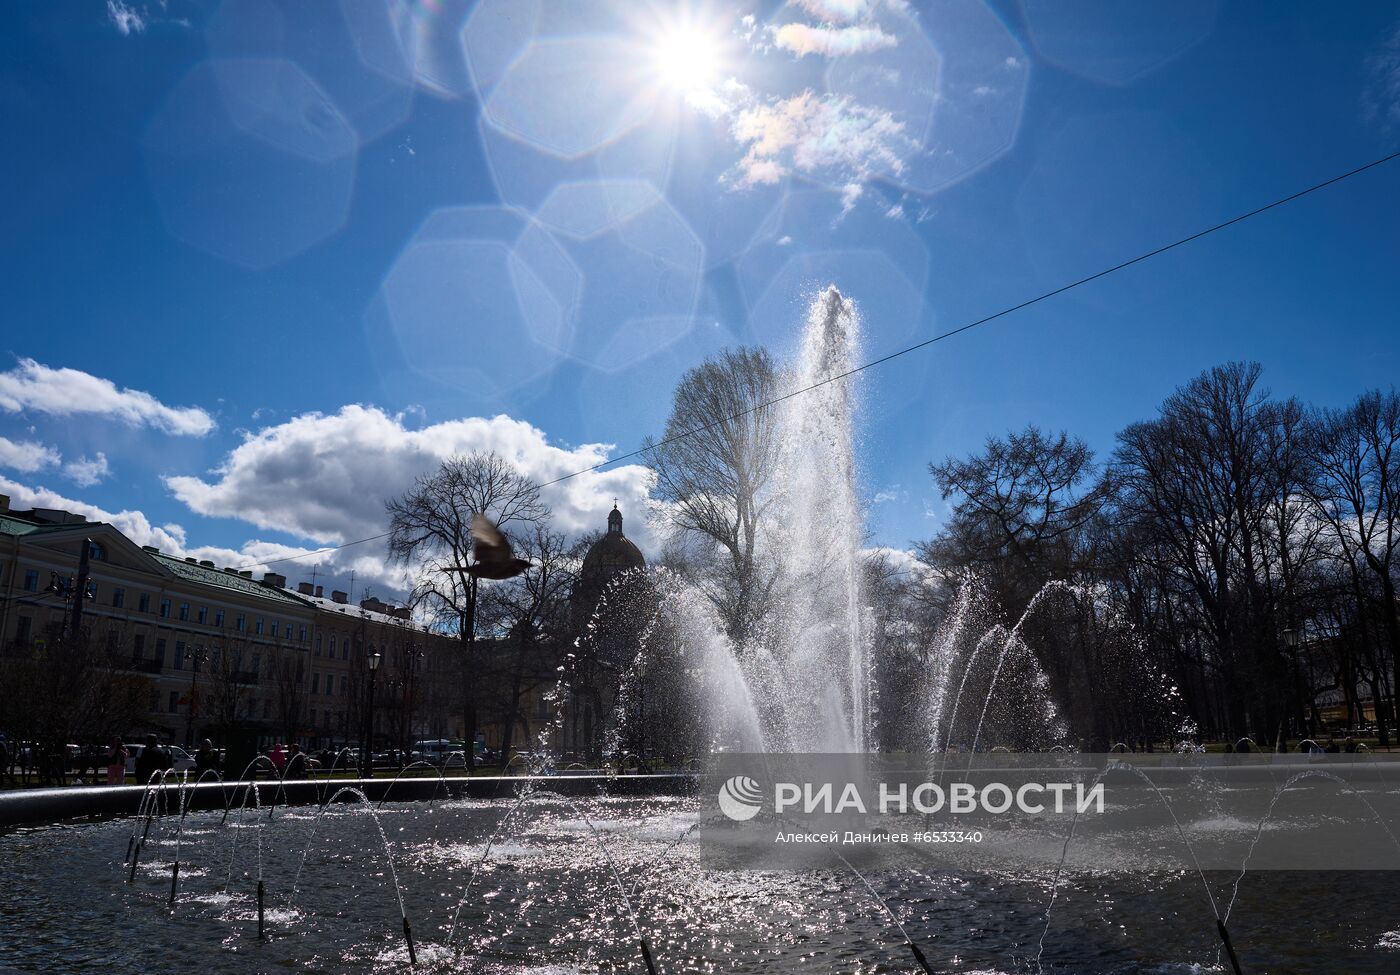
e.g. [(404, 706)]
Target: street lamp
[(198, 655), (1290, 638), (368, 757), (640, 671)]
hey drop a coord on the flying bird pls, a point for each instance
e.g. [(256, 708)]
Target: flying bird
[(494, 558)]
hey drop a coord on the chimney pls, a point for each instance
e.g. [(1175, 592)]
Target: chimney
[(4, 502), (337, 596), (304, 588), (230, 570), (403, 613), (206, 563), (191, 560), (150, 548), (245, 574), (273, 579), (318, 591)]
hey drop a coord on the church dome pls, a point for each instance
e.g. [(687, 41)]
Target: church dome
[(613, 553)]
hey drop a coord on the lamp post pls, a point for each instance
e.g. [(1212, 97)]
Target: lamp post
[(640, 671), (367, 759), (1290, 640), (198, 655)]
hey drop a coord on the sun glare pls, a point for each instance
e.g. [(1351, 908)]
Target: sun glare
[(688, 59)]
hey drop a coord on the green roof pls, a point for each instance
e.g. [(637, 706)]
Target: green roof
[(208, 576), (10, 525)]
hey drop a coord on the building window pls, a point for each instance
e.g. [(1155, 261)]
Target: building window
[(332, 644), (96, 552), (165, 609), (160, 652), (31, 581), (24, 628), (257, 663), (138, 646), (302, 637), (203, 614), (179, 654), (258, 627), (315, 683), (318, 644), (345, 649), (313, 717), (174, 702), (267, 707), (184, 611), (143, 604), (219, 618), (330, 684), (289, 632), (112, 637), (118, 598), (241, 624)]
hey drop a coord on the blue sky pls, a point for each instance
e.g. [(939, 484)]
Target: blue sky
[(265, 262)]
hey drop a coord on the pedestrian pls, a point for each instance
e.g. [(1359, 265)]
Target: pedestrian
[(153, 758), (116, 763), (206, 759), (296, 763), (6, 758), (278, 757)]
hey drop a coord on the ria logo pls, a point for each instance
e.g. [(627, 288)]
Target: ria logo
[(740, 798)]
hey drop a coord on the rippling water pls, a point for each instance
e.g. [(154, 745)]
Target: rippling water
[(546, 902)]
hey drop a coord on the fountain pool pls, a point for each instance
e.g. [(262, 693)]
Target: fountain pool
[(546, 901)]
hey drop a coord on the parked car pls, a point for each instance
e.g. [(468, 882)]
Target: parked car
[(180, 760)]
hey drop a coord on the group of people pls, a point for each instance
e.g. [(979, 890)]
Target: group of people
[(290, 761)]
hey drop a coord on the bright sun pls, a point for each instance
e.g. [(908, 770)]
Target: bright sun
[(688, 59)]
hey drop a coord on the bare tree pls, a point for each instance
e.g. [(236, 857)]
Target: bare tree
[(713, 466), (1356, 492), (430, 532), (530, 613)]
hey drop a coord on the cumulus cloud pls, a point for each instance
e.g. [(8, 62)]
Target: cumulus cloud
[(811, 133), (133, 524), (26, 455), (835, 11), (368, 564), (326, 477), (804, 39), (128, 20), (87, 471), (68, 392)]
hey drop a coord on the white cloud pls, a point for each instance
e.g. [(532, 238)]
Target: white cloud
[(85, 471), (326, 477), (26, 455), (835, 11), (804, 39), (831, 42), (1381, 98), (133, 524), (850, 196), (258, 556), (68, 392), (847, 11), (126, 19), (810, 133)]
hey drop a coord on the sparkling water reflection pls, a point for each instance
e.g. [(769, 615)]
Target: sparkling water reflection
[(545, 901)]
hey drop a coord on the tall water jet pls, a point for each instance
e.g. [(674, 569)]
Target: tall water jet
[(820, 555), (799, 680)]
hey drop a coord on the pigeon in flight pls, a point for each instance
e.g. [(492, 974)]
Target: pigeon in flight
[(494, 559)]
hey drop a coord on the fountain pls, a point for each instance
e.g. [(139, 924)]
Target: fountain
[(572, 883)]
